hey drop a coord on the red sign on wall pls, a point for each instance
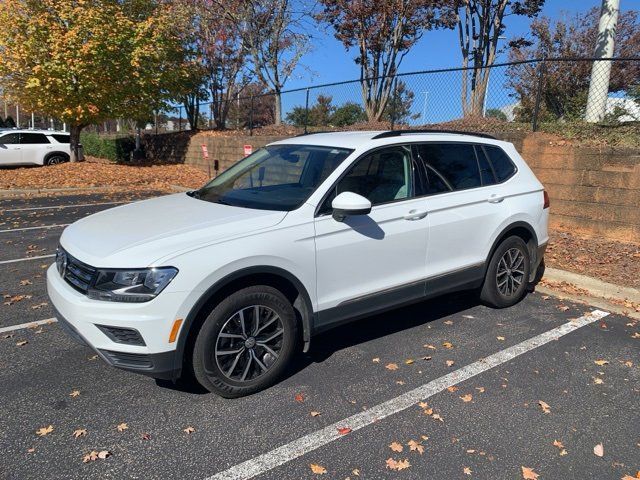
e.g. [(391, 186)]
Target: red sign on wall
[(248, 150), (205, 152)]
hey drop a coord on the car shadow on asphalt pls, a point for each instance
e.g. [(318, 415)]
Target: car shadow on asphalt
[(353, 333)]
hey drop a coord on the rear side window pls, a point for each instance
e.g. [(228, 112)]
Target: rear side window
[(502, 164), (454, 164), (33, 138), (10, 139), (61, 138)]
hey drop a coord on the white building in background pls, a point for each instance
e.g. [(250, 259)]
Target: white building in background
[(631, 109)]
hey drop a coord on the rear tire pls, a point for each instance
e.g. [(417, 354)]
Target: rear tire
[(507, 275), (55, 159), (246, 343)]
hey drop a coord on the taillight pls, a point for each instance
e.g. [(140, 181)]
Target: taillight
[(546, 199)]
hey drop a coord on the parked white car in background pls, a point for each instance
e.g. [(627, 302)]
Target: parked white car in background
[(33, 147), (226, 282)]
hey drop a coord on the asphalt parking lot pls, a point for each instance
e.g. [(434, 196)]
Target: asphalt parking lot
[(444, 389)]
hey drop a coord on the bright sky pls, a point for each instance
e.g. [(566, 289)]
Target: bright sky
[(329, 62)]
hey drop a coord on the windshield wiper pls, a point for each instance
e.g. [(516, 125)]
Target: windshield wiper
[(194, 193)]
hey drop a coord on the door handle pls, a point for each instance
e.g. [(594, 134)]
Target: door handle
[(495, 198), (415, 215)]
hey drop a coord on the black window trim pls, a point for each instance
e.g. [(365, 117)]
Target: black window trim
[(414, 163)]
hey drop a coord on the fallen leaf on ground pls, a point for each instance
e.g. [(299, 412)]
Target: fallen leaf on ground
[(529, 474), (189, 430), (41, 432), (376, 360), (396, 447), (81, 432), (598, 450), (480, 389), (452, 388), (466, 398), (435, 416), (344, 430), (317, 469), (314, 414), (25, 282), (74, 393), (466, 471), (356, 472), (447, 345), (391, 366), (563, 308), (122, 427), (94, 455), (598, 380), (22, 343), (501, 339), (448, 322), (397, 464), (544, 406), (558, 443), (92, 357), (39, 306), (428, 357), (415, 447), (145, 436), (430, 347), (409, 361), (601, 362), (299, 398), (468, 316), (450, 363)]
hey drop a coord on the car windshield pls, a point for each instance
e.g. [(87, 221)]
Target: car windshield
[(276, 177)]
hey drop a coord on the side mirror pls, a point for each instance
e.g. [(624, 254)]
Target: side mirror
[(349, 203)]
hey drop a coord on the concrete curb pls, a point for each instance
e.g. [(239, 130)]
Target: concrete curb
[(600, 294)]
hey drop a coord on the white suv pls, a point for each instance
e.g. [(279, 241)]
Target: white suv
[(225, 282), (33, 147)]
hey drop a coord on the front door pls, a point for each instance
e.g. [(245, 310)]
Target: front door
[(371, 261), (10, 152)]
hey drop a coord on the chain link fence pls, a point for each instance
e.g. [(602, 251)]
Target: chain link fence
[(515, 95)]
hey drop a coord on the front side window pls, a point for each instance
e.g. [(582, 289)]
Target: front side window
[(33, 138), (453, 166), (10, 139), (383, 176), (276, 177)]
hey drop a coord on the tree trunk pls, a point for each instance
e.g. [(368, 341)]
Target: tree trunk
[(278, 107), (74, 141)]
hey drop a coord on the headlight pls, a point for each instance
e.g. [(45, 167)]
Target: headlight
[(131, 285)]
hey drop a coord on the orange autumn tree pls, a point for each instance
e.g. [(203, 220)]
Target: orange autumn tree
[(85, 61)]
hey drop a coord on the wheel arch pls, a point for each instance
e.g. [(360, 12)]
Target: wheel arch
[(275, 277), (51, 154), (520, 229)]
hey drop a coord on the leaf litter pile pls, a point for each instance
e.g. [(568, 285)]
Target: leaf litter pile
[(100, 174)]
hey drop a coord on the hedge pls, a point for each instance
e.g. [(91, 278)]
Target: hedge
[(117, 149)]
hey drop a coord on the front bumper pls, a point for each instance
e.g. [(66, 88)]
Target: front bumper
[(82, 318)]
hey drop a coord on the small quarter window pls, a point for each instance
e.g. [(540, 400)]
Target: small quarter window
[(502, 164), (61, 138), (486, 172)]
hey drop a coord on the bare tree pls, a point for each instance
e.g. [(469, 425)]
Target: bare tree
[(383, 32), (480, 26)]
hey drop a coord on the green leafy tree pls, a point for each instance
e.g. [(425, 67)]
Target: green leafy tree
[(87, 61), (10, 122), (398, 109), (497, 114), (348, 113)]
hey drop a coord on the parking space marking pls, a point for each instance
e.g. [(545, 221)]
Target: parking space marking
[(16, 260), (34, 228), (28, 325), (58, 207), (308, 443)]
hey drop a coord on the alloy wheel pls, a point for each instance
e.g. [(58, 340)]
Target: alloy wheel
[(510, 272), (249, 343)]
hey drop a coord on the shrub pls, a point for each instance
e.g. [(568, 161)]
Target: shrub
[(117, 149)]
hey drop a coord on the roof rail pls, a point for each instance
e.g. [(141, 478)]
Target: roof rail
[(397, 133), (313, 133)]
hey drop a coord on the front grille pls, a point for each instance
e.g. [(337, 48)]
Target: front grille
[(128, 336), (128, 360), (79, 275)]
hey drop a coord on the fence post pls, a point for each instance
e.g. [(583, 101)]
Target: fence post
[(536, 109), (251, 116), (306, 111), (180, 119), (392, 111)]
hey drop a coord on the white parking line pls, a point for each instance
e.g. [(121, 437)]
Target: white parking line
[(303, 445), (16, 260), (28, 325), (59, 207), (34, 228)]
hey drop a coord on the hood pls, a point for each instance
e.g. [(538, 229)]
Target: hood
[(137, 234)]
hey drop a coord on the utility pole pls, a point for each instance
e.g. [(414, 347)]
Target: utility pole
[(601, 70)]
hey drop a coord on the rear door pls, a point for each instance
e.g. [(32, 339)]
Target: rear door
[(10, 151), (34, 147), (465, 209)]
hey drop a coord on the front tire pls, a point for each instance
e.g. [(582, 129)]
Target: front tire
[(55, 159), (246, 343), (507, 275)]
